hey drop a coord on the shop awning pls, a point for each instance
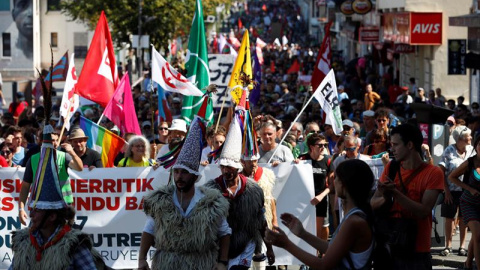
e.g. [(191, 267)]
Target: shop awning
[(469, 20)]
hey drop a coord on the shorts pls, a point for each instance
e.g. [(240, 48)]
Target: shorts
[(321, 209), (450, 210)]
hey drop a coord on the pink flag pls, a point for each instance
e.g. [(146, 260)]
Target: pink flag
[(121, 111)]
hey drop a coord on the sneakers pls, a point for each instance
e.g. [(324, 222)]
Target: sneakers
[(446, 252)]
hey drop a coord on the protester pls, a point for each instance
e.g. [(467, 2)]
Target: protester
[(321, 169), (268, 149), (17, 140), (50, 236), (246, 213), (137, 153), (6, 155), (453, 156), (188, 222), (352, 243), (470, 200), (414, 187), (67, 159), (178, 129), (91, 159)]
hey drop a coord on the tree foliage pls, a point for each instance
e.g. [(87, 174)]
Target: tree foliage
[(161, 19)]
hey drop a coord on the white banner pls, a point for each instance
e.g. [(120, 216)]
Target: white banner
[(109, 207), (221, 67)]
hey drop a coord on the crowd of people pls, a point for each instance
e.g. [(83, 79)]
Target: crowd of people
[(214, 227)]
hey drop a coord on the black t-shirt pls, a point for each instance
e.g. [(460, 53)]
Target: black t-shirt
[(320, 168), (92, 158)]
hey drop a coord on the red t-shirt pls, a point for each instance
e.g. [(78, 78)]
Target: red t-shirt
[(20, 108), (430, 178), (3, 162)]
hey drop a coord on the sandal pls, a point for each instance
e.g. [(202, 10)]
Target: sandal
[(462, 252), (446, 252)]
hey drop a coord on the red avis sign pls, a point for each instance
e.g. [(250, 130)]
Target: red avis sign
[(426, 28)]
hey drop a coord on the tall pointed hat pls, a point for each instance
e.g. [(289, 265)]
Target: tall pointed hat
[(232, 147), (46, 190), (191, 150)]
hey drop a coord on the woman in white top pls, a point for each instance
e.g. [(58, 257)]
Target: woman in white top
[(352, 243)]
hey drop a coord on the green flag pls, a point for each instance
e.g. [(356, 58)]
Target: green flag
[(198, 71)]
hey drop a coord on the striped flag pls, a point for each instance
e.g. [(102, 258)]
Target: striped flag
[(102, 140), (59, 74)]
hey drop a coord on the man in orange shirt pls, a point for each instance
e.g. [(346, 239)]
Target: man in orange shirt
[(414, 189), (370, 97)]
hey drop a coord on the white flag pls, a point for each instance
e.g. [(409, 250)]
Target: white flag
[(284, 40), (69, 98), (277, 42), (260, 43), (327, 96), (169, 78), (222, 41)]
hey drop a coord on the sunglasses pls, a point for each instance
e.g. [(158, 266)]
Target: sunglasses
[(315, 131), (320, 145), (163, 128), (381, 120), (350, 149), (6, 152)]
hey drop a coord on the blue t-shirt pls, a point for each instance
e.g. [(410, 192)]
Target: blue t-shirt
[(18, 157)]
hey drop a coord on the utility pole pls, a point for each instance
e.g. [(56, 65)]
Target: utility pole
[(139, 48)]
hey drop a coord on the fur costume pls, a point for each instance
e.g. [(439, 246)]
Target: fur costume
[(245, 217), (266, 182), (58, 256), (186, 243)]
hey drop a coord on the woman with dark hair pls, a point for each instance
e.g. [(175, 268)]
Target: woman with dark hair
[(379, 144), (470, 200), (352, 243)]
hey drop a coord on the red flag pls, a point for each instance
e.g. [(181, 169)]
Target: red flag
[(272, 66), (59, 74), (99, 78), (240, 24), (121, 110), (323, 64), (294, 68)]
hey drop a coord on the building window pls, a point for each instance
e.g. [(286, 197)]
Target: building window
[(54, 39), (80, 44), (5, 5), (53, 5), (6, 45)]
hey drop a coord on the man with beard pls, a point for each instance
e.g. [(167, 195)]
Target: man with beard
[(246, 213), (189, 223), (91, 159)]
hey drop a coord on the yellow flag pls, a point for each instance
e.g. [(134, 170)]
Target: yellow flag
[(242, 63)]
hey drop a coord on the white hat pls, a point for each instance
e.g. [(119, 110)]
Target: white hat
[(146, 123), (368, 113), (232, 147), (341, 87), (347, 122), (179, 124), (191, 152)]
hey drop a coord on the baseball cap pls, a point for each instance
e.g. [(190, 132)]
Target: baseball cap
[(347, 122)]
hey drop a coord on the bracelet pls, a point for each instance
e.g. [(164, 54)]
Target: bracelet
[(223, 262)]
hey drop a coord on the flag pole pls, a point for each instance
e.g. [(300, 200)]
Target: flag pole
[(291, 125), (67, 118), (220, 115)]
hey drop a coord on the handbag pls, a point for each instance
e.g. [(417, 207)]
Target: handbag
[(394, 235)]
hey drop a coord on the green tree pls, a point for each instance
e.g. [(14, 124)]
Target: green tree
[(161, 19)]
